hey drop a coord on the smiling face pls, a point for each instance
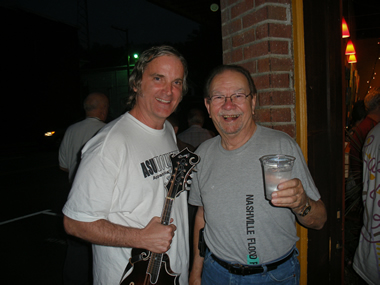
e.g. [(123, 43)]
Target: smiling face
[(160, 91), (233, 121)]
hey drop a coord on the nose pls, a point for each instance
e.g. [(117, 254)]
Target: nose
[(168, 88), (226, 99), (228, 103)]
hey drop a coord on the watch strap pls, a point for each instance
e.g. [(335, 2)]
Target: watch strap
[(305, 209)]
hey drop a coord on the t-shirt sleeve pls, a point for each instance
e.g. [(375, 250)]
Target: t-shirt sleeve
[(301, 171), (93, 189), (62, 155)]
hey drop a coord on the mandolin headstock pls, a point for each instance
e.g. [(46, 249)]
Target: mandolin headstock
[(182, 165)]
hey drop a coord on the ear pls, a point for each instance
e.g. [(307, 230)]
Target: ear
[(254, 97), (207, 104)]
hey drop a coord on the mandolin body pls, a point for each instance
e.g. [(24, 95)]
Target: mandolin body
[(139, 275)]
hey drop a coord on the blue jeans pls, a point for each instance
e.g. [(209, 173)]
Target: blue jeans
[(287, 273)]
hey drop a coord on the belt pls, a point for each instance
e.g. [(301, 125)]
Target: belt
[(241, 269)]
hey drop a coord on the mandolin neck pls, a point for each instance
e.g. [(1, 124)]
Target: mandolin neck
[(166, 211), (156, 258)]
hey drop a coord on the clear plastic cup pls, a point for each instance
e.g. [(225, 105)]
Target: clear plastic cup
[(277, 168)]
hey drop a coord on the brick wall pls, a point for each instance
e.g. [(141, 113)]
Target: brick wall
[(257, 34)]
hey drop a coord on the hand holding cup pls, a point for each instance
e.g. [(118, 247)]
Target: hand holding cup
[(277, 168)]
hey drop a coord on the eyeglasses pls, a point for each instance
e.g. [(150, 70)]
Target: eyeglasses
[(237, 98)]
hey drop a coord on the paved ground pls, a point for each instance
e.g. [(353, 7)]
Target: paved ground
[(32, 240), (33, 250)]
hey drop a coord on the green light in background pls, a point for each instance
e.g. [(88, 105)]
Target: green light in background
[(135, 55)]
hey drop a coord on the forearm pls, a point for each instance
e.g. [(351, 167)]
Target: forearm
[(317, 216), (292, 195), (196, 270), (103, 232)]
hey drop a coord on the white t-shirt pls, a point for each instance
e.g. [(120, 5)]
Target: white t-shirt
[(367, 255), (74, 139), (122, 178)]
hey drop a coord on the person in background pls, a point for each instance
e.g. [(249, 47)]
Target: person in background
[(77, 267), (367, 255), (195, 134), (372, 106), (249, 239), (173, 119), (119, 190), (96, 107)]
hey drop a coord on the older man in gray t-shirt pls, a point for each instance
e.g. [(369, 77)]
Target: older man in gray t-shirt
[(250, 240)]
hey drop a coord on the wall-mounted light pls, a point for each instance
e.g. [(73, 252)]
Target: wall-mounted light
[(350, 48), (352, 58), (345, 31)]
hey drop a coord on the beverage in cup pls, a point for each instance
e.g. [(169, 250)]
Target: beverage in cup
[(277, 168)]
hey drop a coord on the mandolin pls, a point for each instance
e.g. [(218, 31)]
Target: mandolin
[(154, 268)]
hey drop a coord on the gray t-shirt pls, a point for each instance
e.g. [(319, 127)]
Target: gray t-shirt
[(241, 226)]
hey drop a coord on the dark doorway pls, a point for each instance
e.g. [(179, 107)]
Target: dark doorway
[(325, 108)]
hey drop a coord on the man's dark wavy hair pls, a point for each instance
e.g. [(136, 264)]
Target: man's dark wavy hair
[(145, 58)]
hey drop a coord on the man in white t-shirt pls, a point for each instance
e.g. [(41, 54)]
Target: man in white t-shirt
[(77, 268), (366, 259), (119, 189), (96, 108)]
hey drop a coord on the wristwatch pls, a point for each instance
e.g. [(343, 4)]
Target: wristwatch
[(305, 209)]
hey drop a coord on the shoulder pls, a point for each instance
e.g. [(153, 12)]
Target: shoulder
[(269, 140), (372, 141), (75, 126), (376, 130), (264, 132), (109, 133), (209, 145), (169, 127)]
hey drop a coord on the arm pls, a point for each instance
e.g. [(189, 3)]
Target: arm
[(196, 270), (62, 155), (292, 195), (154, 237)]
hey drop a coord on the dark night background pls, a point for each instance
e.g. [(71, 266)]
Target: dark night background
[(43, 58), (43, 62)]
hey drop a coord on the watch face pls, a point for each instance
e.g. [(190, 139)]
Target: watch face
[(306, 211)]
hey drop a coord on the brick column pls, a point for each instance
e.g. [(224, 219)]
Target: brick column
[(257, 34)]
